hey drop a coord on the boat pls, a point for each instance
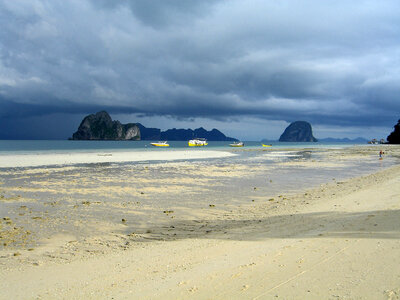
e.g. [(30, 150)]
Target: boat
[(160, 144), (265, 145), (198, 142), (373, 142), (237, 144)]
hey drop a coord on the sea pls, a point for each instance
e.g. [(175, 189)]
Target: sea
[(59, 146)]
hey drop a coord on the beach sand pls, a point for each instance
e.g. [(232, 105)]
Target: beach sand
[(338, 240)]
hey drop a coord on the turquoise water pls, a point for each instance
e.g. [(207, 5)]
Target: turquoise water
[(77, 146)]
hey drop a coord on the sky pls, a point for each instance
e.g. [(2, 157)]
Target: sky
[(248, 68)]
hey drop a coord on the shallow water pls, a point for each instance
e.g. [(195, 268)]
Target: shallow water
[(92, 199), (62, 146)]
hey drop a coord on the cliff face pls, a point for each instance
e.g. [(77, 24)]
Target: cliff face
[(394, 137), (100, 126), (299, 131)]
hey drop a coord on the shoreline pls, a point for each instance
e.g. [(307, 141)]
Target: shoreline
[(338, 240), (102, 156)]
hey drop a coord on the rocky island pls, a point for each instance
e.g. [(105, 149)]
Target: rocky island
[(299, 131), (100, 126)]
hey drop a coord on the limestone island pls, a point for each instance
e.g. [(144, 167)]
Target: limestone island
[(299, 131), (100, 126)]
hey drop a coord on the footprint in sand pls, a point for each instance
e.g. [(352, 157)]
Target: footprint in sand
[(245, 287)]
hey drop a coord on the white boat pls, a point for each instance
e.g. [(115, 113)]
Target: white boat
[(198, 142), (237, 144), (160, 144)]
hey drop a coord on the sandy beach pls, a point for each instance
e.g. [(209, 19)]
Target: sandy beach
[(180, 230)]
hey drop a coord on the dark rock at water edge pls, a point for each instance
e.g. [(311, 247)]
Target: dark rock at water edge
[(188, 134), (394, 137), (299, 131), (100, 126)]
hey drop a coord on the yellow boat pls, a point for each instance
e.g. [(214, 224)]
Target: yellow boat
[(160, 144), (264, 145), (197, 142)]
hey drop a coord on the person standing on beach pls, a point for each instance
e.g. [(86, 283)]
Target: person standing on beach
[(380, 154)]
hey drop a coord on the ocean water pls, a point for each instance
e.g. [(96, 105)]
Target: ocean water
[(55, 146), (252, 154)]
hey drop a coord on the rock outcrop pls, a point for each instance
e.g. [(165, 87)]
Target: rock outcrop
[(100, 126), (394, 137), (299, 131)]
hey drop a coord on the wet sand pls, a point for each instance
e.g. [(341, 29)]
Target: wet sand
[(340, 239), (46, 159)]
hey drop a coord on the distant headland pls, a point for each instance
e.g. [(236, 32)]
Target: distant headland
[(100, 126), (394, 137)]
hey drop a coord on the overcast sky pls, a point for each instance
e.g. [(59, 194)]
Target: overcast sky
[(248, 68)]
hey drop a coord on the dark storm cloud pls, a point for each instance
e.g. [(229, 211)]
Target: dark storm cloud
[(157, 13), (328, 62)]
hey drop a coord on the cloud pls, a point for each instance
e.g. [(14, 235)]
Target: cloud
[(331, 63), (160, 13)]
